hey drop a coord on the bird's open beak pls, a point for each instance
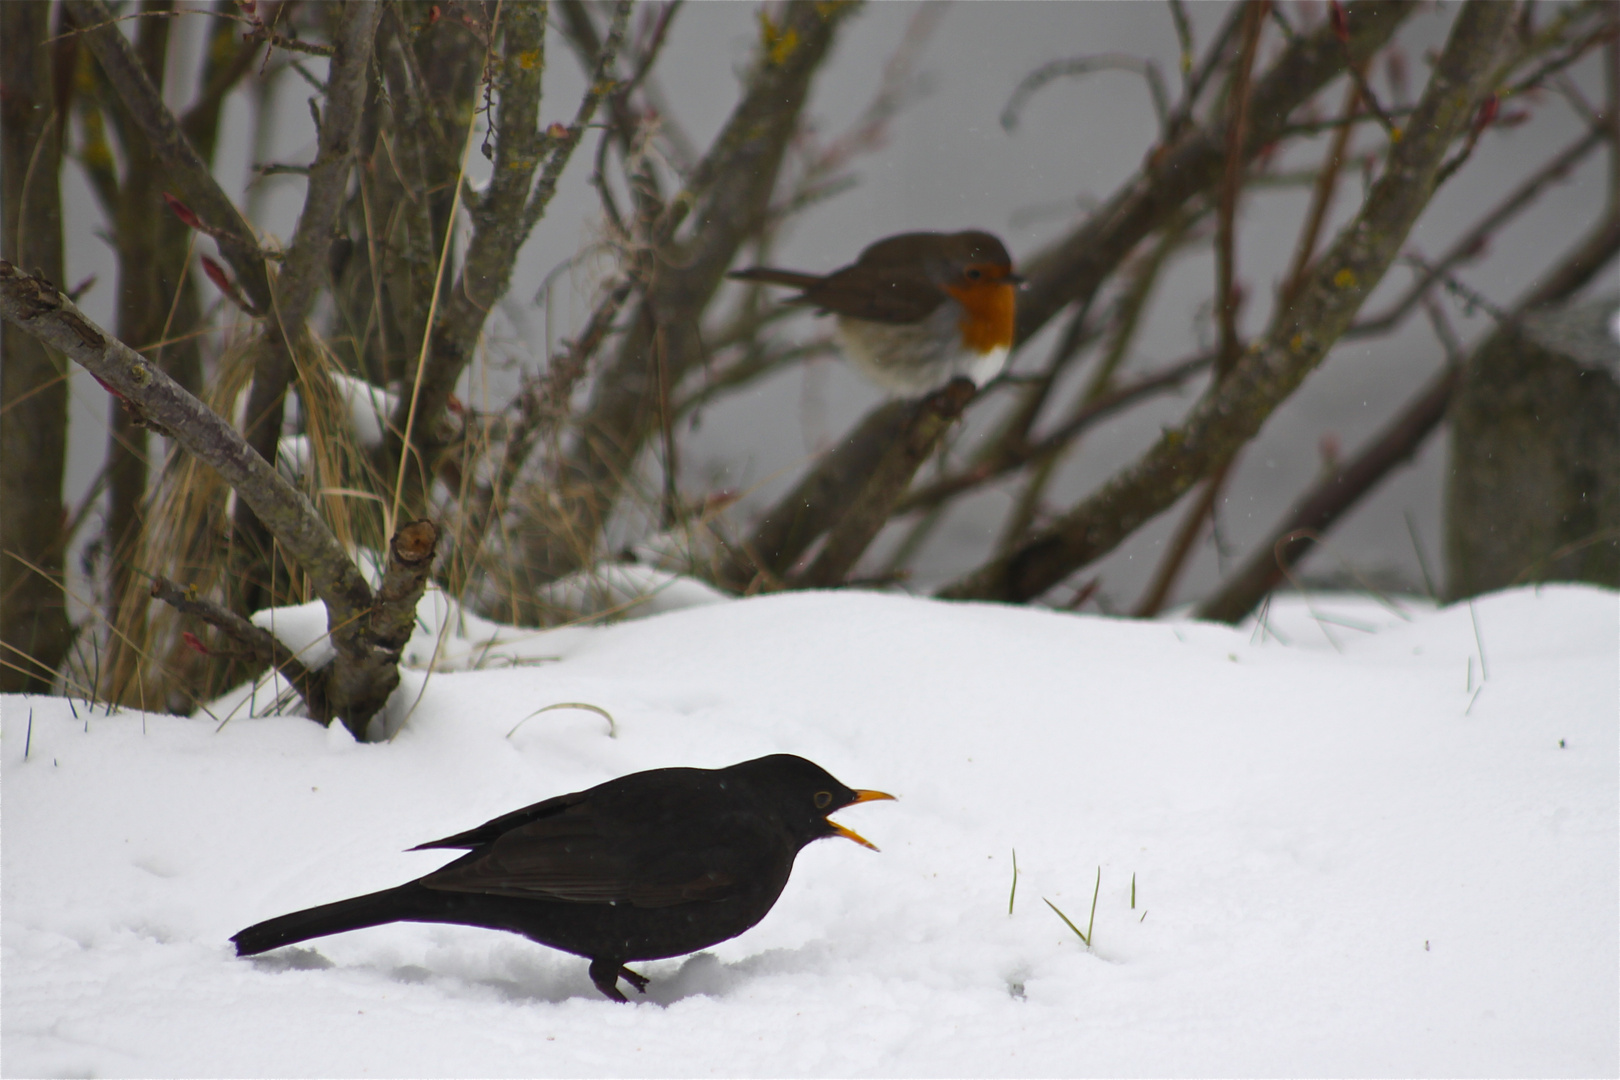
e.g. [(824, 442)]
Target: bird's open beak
[(851, 834)]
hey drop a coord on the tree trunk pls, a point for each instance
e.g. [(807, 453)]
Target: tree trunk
[(146, 284), (34, 628), (1534, 490)]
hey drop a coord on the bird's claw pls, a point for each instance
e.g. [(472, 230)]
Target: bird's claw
[(606, 975)]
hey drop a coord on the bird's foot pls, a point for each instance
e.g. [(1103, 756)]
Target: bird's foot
[(606, 975)]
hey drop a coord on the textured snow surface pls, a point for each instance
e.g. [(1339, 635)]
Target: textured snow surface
[(1348, 858)]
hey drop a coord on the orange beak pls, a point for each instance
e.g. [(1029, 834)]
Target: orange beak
[(851, 834)]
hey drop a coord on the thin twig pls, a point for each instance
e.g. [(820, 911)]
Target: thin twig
[(1047, 73), (1237, 125), (1293, 346), (1472, 243), (951, 486)]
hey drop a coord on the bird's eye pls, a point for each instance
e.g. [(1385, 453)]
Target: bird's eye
[(975, 274), (823, 799)]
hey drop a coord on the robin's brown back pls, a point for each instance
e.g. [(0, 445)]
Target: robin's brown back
[(917, 309)]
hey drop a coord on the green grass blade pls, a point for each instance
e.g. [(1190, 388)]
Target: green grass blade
[(1066, 922), (1013, 895), (1092, 925)]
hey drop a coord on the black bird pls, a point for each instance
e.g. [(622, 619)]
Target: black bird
[(651, 865)]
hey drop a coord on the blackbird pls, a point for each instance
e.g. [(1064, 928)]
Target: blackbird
[(651, 865)]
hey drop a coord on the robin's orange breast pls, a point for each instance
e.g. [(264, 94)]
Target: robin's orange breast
[(989, 314), (917, 310)]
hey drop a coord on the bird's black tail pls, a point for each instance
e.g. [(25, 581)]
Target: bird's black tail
[(403, 903)]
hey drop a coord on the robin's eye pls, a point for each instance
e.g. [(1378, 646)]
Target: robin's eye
[(975, 275), (823, 799)]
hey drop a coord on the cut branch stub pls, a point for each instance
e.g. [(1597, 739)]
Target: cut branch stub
[(360, 689), (410, 559)]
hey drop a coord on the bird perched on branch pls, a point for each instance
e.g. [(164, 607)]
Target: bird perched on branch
[(918, 309), (651, 865)]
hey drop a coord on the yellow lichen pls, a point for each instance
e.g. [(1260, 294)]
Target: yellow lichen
[(1345, 279), (779, 42)]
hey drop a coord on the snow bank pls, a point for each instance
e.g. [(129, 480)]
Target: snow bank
[(1347, 856)]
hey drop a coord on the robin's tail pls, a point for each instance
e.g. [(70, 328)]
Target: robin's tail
[(775, 277), (403, 903)]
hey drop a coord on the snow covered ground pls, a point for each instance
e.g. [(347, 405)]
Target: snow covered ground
[(1347, 857)]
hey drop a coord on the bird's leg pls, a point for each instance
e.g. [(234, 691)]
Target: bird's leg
[(637, 981), (605, 974)]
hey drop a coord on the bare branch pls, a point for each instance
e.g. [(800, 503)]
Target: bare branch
[(1293, 538), (1297, 342), (39, 308), (860, 524), (359, 689), (542, 404), (1072, 269), (1038, 79), (186, 172), (161, 404), (729, 191), (1472, 242), (1181, 544), (949, 487), (1184, 37), (503, 217), (1195, 79), (789, 528), (260, 644), (1237, 123), (1327, 182), (563, 146), (304, 273), (33, 441)]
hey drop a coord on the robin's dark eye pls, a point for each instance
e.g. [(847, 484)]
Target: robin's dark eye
[(823, 799), (975, 275)]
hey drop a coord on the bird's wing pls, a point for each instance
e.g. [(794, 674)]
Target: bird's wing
[(490, 830), (588, 857), (882, 293)]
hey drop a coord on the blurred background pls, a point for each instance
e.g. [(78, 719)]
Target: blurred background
[(947, 163)]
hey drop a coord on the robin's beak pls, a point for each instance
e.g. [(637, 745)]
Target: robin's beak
[(1014, 279), (851, 834)]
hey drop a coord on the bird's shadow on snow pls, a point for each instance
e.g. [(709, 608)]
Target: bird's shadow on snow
[(706, 975), (291, 959), (556, 980), (552, 979)]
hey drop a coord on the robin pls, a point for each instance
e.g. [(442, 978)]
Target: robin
[(651, 865), (918, 309)]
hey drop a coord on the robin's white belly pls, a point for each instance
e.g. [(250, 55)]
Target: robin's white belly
[(916, 358)]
